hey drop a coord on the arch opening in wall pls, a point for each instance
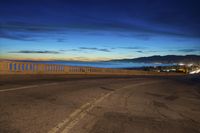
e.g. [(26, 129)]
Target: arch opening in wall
[(10, 67), (22, 67), (26, 67), (18, 68), (31, 67), (15, 67)]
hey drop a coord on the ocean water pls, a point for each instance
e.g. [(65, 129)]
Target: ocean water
[(104, 64)]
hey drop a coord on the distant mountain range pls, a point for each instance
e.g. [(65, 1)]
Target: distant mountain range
[(165, 59)]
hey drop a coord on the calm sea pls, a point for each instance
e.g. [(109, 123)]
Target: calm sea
[(104, 64)]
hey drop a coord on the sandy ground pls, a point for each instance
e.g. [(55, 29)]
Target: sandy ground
[(99, 104)]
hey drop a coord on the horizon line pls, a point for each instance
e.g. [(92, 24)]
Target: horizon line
[(76, 60)]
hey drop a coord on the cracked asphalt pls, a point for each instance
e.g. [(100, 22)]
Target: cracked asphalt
[(67, 103)]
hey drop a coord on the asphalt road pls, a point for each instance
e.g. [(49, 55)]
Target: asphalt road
[(99, 104)]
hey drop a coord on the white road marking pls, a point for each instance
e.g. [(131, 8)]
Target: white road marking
[(83, 113), (49, 84), (78, 114), (19, 88), (60, 125), (26, 87)]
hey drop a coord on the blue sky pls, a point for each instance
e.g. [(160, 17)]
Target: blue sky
[(98, 29)]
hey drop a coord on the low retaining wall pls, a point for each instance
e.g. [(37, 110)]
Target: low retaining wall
[(11, 67)]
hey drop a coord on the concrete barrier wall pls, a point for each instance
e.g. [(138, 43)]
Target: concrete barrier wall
[(11, 67)]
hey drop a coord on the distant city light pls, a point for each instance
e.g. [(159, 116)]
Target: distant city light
[(181, 64), (191, 64)]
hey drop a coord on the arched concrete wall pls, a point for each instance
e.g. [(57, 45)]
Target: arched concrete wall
[(13, 67)]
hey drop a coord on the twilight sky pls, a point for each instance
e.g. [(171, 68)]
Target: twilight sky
[(98, 29)]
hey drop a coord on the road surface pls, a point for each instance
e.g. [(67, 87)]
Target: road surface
[(79, 104)]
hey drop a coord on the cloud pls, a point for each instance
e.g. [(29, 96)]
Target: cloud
[(35, 52), (28, 27), (61, 40), (140, 51), (95, 49), (66, 50), (134, 48), (138, 18), (188, 50), (118, 28), (30, 32), (15, 36)]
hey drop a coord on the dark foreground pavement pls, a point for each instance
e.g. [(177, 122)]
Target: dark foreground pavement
[(79, 104)]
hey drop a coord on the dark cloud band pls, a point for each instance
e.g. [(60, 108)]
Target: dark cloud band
[(35, 52), (95, 49)]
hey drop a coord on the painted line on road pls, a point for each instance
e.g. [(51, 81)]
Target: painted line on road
[(78, 114), (84, 113), (49, 84), (19, 88), (72, 115), (27, 87)]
